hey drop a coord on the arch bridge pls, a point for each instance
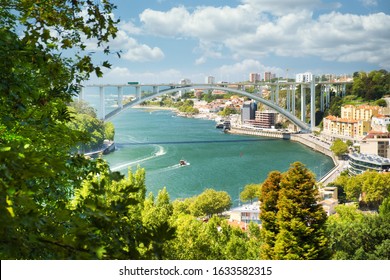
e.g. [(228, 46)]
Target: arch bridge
[(239, 89)]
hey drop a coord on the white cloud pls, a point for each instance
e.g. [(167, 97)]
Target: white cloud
[(141, 52), (230, 72), (120, 75), (369, 3), (258, 28)]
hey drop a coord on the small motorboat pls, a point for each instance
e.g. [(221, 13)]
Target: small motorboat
[(182, 162)]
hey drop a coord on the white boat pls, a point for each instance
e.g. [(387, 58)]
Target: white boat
[(182, 162)]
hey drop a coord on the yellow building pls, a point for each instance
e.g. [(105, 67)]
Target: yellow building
[(345, 127), (360, 112)]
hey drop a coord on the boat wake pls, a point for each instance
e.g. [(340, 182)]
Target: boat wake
[(160, 152)]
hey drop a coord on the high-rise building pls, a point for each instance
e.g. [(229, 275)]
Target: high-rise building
[(267, 76), (248, 111), (254, 77), (265, 119), (210, 80), (304, 77)]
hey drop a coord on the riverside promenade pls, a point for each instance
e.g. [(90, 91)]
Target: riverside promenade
[(306, 139)]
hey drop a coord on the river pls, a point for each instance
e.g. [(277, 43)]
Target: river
[(157, 140)]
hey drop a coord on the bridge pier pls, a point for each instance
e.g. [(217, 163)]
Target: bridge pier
[(288, 99), (322, 98), (102, 105), (120, 97), (277, 94), (82, 94), (138, 92), (293, 89), (303, 103), (313, 104)]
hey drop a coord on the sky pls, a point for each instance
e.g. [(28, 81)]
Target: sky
[(164, 41)]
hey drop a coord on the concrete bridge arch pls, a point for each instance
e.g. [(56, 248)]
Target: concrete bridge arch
[(158, 93)]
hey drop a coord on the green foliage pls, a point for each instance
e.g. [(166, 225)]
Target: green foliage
[(381, 103), (250, 192), (370, 187), (339, 147), (212, 240), (293, 222), (371, 86), (109, 131), (210, 202), (227, 111), (358, 235)]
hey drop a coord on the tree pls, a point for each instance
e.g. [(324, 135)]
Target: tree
[(294, 222), (268, 210), (156, 219), (359, 235), (210, 202), (55, 204), (339, 147), (370, 187), (250, 192)]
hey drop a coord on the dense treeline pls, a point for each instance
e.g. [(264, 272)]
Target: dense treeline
[(57, 204), (84, 119), (371, 86)]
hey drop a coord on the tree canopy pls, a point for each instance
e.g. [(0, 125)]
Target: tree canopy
[(293, 222)]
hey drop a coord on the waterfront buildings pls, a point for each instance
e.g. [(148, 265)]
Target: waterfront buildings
[(354, 123), (248, 111), (266, 119), (358, 163), (345, 128)]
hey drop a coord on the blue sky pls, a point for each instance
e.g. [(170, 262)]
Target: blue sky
[(168, 40)]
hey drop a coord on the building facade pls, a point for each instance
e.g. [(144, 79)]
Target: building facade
[(254, 77), (376, 143), (304, 77), (358, 163), (265, 119), (345, 127), (210, 80), (361, 112), (380, 123)]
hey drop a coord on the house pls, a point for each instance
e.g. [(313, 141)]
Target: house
[(328, 199), (246, 213)]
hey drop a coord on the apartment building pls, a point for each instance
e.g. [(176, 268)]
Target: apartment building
[(254, 77), (360, 112), (376, 143), (345, 127), (304, 77)]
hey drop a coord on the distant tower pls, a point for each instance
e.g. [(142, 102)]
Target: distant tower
[(254, 77), (267, 76), (210, 80)]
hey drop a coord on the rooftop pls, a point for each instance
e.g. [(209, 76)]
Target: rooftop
[(370, 158)]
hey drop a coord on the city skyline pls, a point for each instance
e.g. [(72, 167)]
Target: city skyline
[(168, 40)]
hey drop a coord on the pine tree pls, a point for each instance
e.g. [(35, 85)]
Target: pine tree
[(300, 219), (269, 198), (293, 223)]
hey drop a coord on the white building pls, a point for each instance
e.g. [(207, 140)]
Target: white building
[(304, 77), (246, 213), (210, 80), (380, 123)]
